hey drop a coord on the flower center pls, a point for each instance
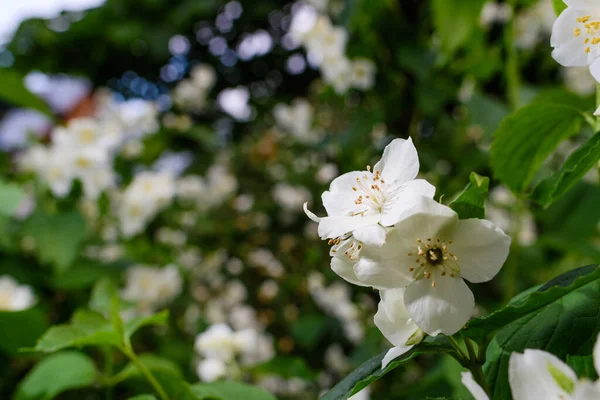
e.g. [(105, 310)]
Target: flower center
[(434, 259), (348, 245), (590, 29), (371, 191)]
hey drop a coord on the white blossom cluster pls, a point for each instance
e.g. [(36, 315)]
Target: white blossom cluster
[(207, 192), (336, 301), (224, 352), (192, 94), (296, 119), (85, 148), (150, 288), (387, 232), (13, 296), (325, 44)]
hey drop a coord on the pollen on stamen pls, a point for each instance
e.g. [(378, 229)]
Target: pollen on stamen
[(410, 254), (369, 168), (428, 275), (411, 269), (433, 284), (443, 273)]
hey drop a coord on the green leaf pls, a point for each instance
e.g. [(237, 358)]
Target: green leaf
[(583, 366), (574, 168), (21, 329), (102, 295), (143, 397), (157, 365), (454, 21), (87, 328), (561, 318), (56, 374), (14, 92), (229, 391), (308, 330), (57, 237), (160, 319), (526, 138), (533, 302), (371, 371), (559, 6), (470, 203), (287, 367), (10, 198)]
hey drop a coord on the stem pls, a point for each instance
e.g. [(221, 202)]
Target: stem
[(133, 357), (108, 370), (477, 371), (459, 350), (471, 350), (511, 71)]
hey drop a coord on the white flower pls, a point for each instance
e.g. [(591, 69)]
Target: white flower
[(394, 322), (575, 36), (364, 203), (234, 101), (363, 73), (211, 369), (297, 119), (364, 394), (291, 198), (203, 76), (429, 253), (14, 297), (218, 341), (536, 374), (151, 288)]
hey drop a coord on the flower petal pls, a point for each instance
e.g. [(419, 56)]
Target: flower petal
[(310, 214), (586, 390), (392, 354), (595, 71), (569, 50), (597, 354), (476, 391), (345, 270), (530, 377), (372, 235), (481, 248), (372, 272), (400, 161), (445, 308), (340, 197), (392, 318), (406, 202), (333, 227)]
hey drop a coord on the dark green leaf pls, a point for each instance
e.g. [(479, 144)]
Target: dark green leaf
[(56, 374), (229, 391), (526, 138), (583, 366), (454, 21), (308, 329), (143, 397), (574, 168), (562, 318), (370, 371), (102, 294), (559, 6), (21, 329), (13, 91), (470, 203)]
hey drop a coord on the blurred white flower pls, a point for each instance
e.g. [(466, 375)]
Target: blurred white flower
[(151, 288), (363, 73), (192, 94), (211, 369), (365, 203), (495, 12), (297, 119), (291, 198), (19, 126), (234, 101), (61, 92), (15, 297), (574, 36), (534, 23), (579, 80), (430, 253)]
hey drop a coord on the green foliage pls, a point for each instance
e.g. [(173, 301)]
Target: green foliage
[(10, 198), (21, 329), (525, 138), (559, 6), (583, 366), (574, 168), (566, 307), (371, 371), (143, 397), (13, 91), (56, 374), (228, 391), (57, 237), (455, 20), (470, 203)]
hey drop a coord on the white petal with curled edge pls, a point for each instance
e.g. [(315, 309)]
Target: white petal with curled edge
[(476, 391), (345, 270), (392, 354), (406, 203), (310, 214), (399, 163), (481, 248), (392, 318), (333, 227), (445, 308), (372, 235), (339, 199), (530, 378)]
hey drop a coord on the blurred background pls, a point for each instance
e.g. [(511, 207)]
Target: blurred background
[(168, 145)]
